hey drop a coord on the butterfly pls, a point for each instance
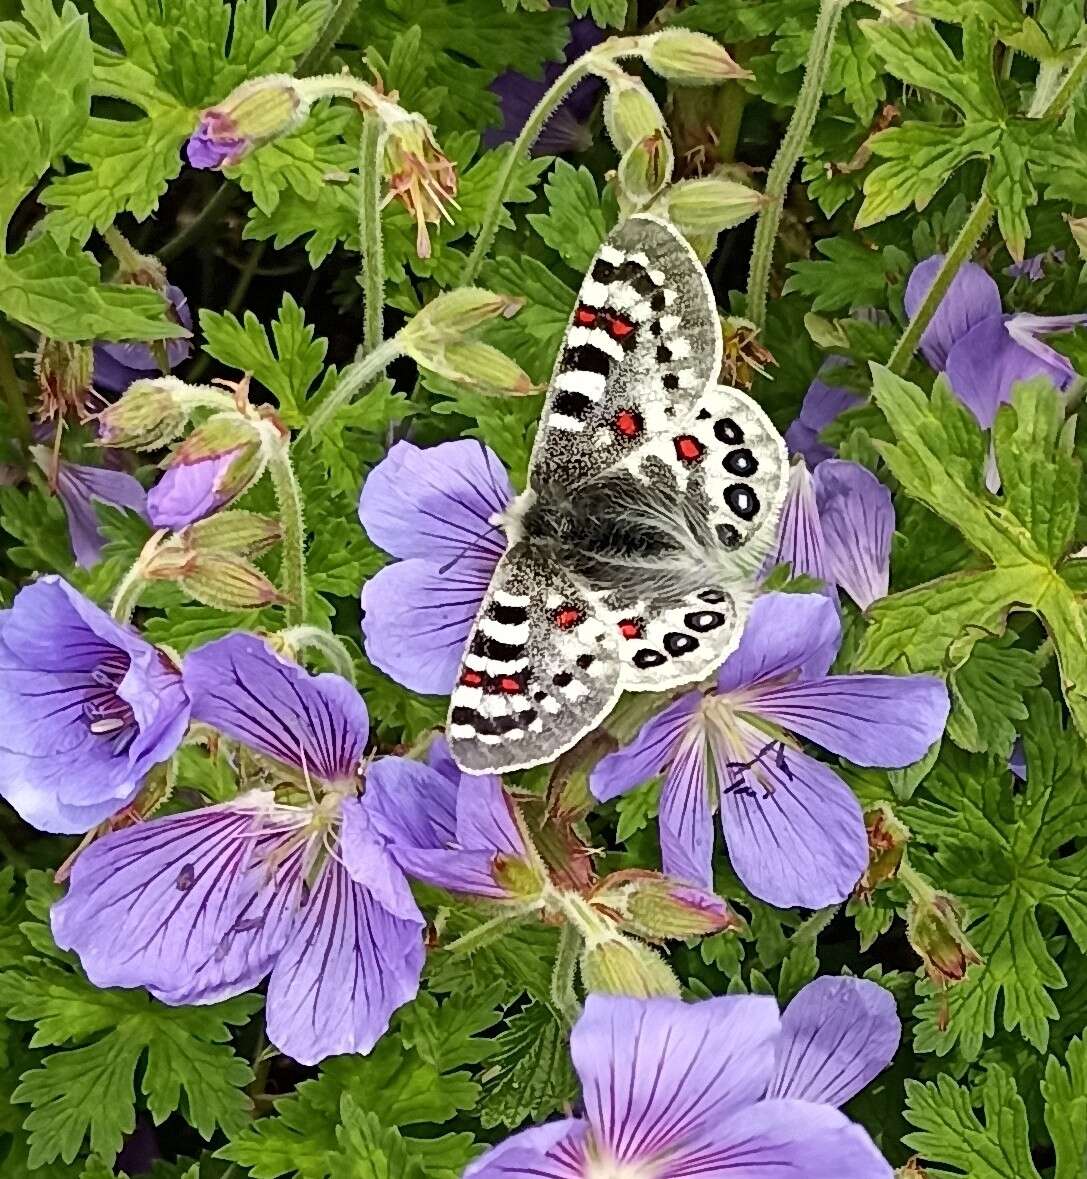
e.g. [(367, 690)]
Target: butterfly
[(652, 501)]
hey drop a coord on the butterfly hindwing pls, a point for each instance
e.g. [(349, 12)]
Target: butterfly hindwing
[(540, 670), (642, 345)]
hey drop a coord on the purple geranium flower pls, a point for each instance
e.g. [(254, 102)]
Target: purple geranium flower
[(433, 509), (215, 143), (983, 351), (79, 488), (200, 906), (723, 1087), (116, 366), (189, 491), (837, 525), (823, 403), (455, 830), (793, 828), (87, 707)]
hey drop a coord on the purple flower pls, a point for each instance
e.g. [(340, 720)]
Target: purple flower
[(455, 830), (823, 403), (295, 884), (714, 1089), (1033, 268), (79, 488), (86, 709), (794, 830), (116, 366), (983, 351), (215, 143), (836, 526), (189, 491), (433, 509)]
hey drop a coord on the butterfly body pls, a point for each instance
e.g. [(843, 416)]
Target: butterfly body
[(652, 498)]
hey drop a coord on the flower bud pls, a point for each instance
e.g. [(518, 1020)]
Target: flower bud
[(631, 114), (646, 168), (226, 582), (712, 204), (153, 412), (470, 362), (64, 371), (246, 534), (619, 966), (887, 839), (463, 310), (255, 112), (656, 907), (693, 59), (933, 925)]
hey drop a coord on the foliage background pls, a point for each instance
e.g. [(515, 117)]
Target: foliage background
[(94, 1083)]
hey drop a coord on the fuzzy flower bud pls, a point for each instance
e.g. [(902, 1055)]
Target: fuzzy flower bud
[(246, 534), (64, 371), (465, 309), (712, 204), (478, 365), (691, 58), (934, 927), (887, 839), (254, 113), (631, 114), (658, 908), (226, 582), (646, 168), (151, 413), (620, 966)]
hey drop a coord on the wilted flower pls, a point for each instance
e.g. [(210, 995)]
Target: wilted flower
[(823, 403), (983, 351), (296, 883), (433, 509), (934, 927), (79, 487), (458, 831), (836, 525), (254, 113), (794, 830), (887, 839), (64, 372), (87, 708), (1034, 267), (419, 175), (116, 366), (674, 1089)]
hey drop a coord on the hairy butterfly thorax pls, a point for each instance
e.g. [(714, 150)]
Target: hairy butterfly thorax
[(652, 501)]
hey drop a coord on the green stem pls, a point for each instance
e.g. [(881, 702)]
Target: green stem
[(327, 38), (371, 146), (128, 257), (300, 638), (960, 251), (563, 995), (543, 111), (208, 216), (13, 394), (1074, 79), (781, 170), (486, 932), (353, 378), (289, 498)]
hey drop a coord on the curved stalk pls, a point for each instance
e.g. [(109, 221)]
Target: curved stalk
[(371, 146), (289, 498), (353, 378)]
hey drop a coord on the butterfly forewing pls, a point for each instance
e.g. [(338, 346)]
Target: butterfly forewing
[(642, 345)]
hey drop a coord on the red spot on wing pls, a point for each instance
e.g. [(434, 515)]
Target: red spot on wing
[(618, 326), (628, 423), (471, 679), (567, 617), (509, 683), (631, 628), (688, 448), (585, 316)]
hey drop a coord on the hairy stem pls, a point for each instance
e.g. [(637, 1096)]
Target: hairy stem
[(371, 146), (128, 592), (563, 994), (543, 111), (353, 378), (1074, 79), (961, 249), (781, 170), (13, 394), (289, 498), (327, 38), (301, 638)]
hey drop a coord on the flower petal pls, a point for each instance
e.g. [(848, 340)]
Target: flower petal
[(804, 843), (874, 720), (823, 403), (189, 491), (155, 904), (369, 862), (836, 1035), (79, 487), (655, 1071), (316, 723), (348, 966), (800, 542), (858, 520), (973, 296), (686, 825), (785, 633), (648, 754), (782, 1140), (553, 1151), (416, 620), (436, 503), (485, 818)]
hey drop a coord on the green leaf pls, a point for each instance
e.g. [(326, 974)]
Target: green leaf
[(987, 696), (1010, 188), (370, 1150), (852, 276), (950, 1132), (603, 12), (60, 295), (574, 225), (1065, 1094), (530, 1076)]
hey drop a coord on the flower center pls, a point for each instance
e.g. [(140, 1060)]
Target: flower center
[(600, 1168), (744, 755), (106, 713)]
